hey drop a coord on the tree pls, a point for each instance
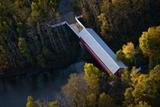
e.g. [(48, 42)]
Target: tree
[(22, 9), (90, 9), (149, 43), (83, 90), (104, 26), (105, 101), (121, 20), (4, 60), (92, 76), (53, 3), (91, 100), (127, 53), (120, 55), (145, 87), (53, 104), (22, 33), (39, 103), (129, 50), (35, 12), (30, 102), (142, 104), (24, 49), (75, 91)]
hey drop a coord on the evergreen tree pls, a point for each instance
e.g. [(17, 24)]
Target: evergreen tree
[(4, 60), (24, 49)]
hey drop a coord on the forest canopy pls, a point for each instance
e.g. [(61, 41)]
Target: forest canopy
[(131, 28)]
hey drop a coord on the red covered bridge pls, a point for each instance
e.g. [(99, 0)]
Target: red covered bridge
[(96, 47)]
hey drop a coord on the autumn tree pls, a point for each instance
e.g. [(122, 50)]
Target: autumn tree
[(84, 90), (30, 102), (105, 101), (90, 8), (92, 76), (53, 104), (149, 43), (104, 26), (35, 12), (127, 53), (22, 9), (121, 20), (75, 91), (142, 104), (91, 100), (144, 88)]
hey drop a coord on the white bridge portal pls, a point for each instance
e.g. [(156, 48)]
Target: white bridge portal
[(95, 45)]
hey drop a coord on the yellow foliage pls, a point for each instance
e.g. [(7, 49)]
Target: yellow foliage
[(128, 49), (149, 42)]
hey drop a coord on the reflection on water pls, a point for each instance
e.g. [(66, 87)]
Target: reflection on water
[(44, 86)]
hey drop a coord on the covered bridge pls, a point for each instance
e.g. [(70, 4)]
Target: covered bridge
[(96, 47)]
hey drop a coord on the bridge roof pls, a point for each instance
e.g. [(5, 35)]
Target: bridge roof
[(105, 54)]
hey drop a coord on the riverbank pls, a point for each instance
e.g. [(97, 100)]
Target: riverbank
[(44, 85), (31, 71)]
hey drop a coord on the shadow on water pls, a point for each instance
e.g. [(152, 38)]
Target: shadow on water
[(47, 85)]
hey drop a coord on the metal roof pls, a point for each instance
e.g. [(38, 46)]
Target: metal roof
[(105, 54)]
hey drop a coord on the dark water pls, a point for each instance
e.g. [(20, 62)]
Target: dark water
[(44, 86)]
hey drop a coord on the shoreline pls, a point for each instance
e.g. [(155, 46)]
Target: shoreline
[(33, 70)]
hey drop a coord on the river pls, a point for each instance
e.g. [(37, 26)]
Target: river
[(44, 86)]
